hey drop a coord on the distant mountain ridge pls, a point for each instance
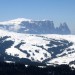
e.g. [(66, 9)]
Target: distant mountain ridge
[(28, 26)]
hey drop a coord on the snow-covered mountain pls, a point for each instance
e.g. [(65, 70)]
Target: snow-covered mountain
[(23, 25), (40, 48)]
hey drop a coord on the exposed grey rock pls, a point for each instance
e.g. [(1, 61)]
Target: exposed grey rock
[(37, 27)]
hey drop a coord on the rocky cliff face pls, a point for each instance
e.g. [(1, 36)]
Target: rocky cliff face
[(63, 29), (37, 27), (34, 27)]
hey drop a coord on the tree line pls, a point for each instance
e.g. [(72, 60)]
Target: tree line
[(21, 69)]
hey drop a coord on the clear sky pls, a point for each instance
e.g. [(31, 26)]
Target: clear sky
[(58, 11)]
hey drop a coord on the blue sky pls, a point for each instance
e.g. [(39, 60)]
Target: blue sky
[(58, 11)]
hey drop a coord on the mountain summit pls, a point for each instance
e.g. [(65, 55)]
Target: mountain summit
[(28, 26), (15, 21)]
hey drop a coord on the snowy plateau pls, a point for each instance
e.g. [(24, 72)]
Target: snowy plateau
[(25, 44)]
